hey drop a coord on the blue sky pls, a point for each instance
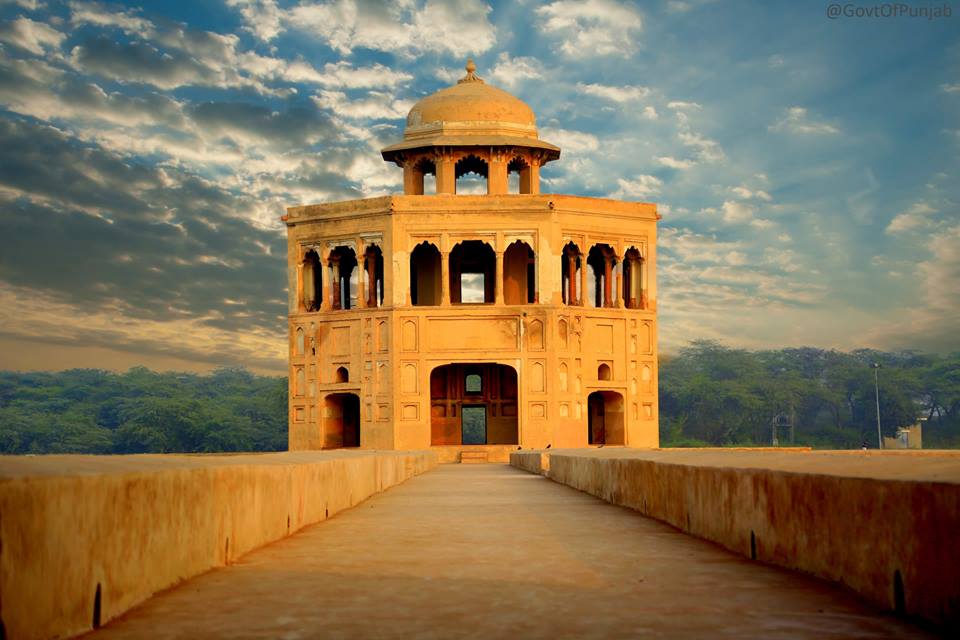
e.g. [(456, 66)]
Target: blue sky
[(805, 167)]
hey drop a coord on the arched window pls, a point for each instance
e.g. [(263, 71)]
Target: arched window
[(373, 266), (341, 375), (633, 279), (603, 371), (472, 174), (343, 266), (570, 269), (312, 293), (601, 260), (299, 342), (425, 273), (516, 169), (472, 268), (519, 271)]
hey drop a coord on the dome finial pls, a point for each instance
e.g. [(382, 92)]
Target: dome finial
[(471, 76)]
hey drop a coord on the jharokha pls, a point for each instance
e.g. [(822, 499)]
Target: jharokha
[(472, 323)]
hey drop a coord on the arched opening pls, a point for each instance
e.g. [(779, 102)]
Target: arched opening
[(341, 375), (516, 169), (603, 371), (472, 268), (97, 607), (605, 413), (341, 423), (473, 404), (601, 260), (633, 279), (300, 383), (343, 276), (421, 177), (425, 270), (570, 269), (472, 174), (311, 293), (519, 274), (373, 266)]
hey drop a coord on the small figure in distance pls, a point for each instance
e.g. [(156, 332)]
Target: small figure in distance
[(549, 445), (864, 445)]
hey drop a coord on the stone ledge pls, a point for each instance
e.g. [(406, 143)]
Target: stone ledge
[(882, 524), (134, 525)]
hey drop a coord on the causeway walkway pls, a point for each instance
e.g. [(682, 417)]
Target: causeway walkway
[(489, 551)]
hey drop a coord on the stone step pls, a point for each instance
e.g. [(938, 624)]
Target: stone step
[(473, 457)]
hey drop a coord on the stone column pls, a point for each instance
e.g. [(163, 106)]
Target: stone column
[(607, 277), (361, 285), (412, 179), (335, 265), (301, 298), (619, 289), (372, 300), (326, 289), (530, 179), (498, 280), (583, 280), (446, 174), (497, 178), (445, 278), (572, 278)]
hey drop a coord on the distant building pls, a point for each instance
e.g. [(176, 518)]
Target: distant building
[(497, 319), (906, 438)]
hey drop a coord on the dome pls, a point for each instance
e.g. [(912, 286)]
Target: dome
[(468, 114), (471, 100)]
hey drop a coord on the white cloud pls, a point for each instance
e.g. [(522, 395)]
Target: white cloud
[(619, 94), (35, 37), (736, 212), (797, 120), (377, 105), (509, 72), (674, 163), (263, 17), (915, 217), (951, 88), (680, 105), (707, 150), (576, 141), (747, 194), (456, 27), (101, 16), (762, 223), (785, 238), (592, 27), (642, 187)]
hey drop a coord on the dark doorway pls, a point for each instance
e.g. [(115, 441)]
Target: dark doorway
[(605, 423), (342, 421), (473, 403), (473, 424)]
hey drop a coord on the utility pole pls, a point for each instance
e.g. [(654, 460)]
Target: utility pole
[(876, 389)]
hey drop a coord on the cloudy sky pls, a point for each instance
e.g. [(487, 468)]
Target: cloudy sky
[(806, 167)]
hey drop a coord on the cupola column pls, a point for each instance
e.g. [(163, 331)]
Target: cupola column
[(335, 272), (607, 279), (412, 179), (498, 280), (446, 174), (497, 175), (530, 179)]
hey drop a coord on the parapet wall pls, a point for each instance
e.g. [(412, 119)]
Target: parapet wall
[(87, 537), (883, 525)]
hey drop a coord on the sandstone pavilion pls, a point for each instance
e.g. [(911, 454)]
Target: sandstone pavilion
[(472, 314)]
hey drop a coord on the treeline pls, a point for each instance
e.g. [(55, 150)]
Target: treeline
[(714, 395), (140, 411), (710, 395)]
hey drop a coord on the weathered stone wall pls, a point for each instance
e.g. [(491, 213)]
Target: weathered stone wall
[(883, 525), (134, 525)]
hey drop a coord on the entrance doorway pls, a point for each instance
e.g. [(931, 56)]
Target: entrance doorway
[(473, 424), (605, 418), (473, 403), (341, 421)]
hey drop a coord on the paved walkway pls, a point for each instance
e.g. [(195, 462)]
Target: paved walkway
[(487, 551)]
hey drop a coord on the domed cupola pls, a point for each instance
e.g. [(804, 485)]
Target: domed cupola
[(471, 127)]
